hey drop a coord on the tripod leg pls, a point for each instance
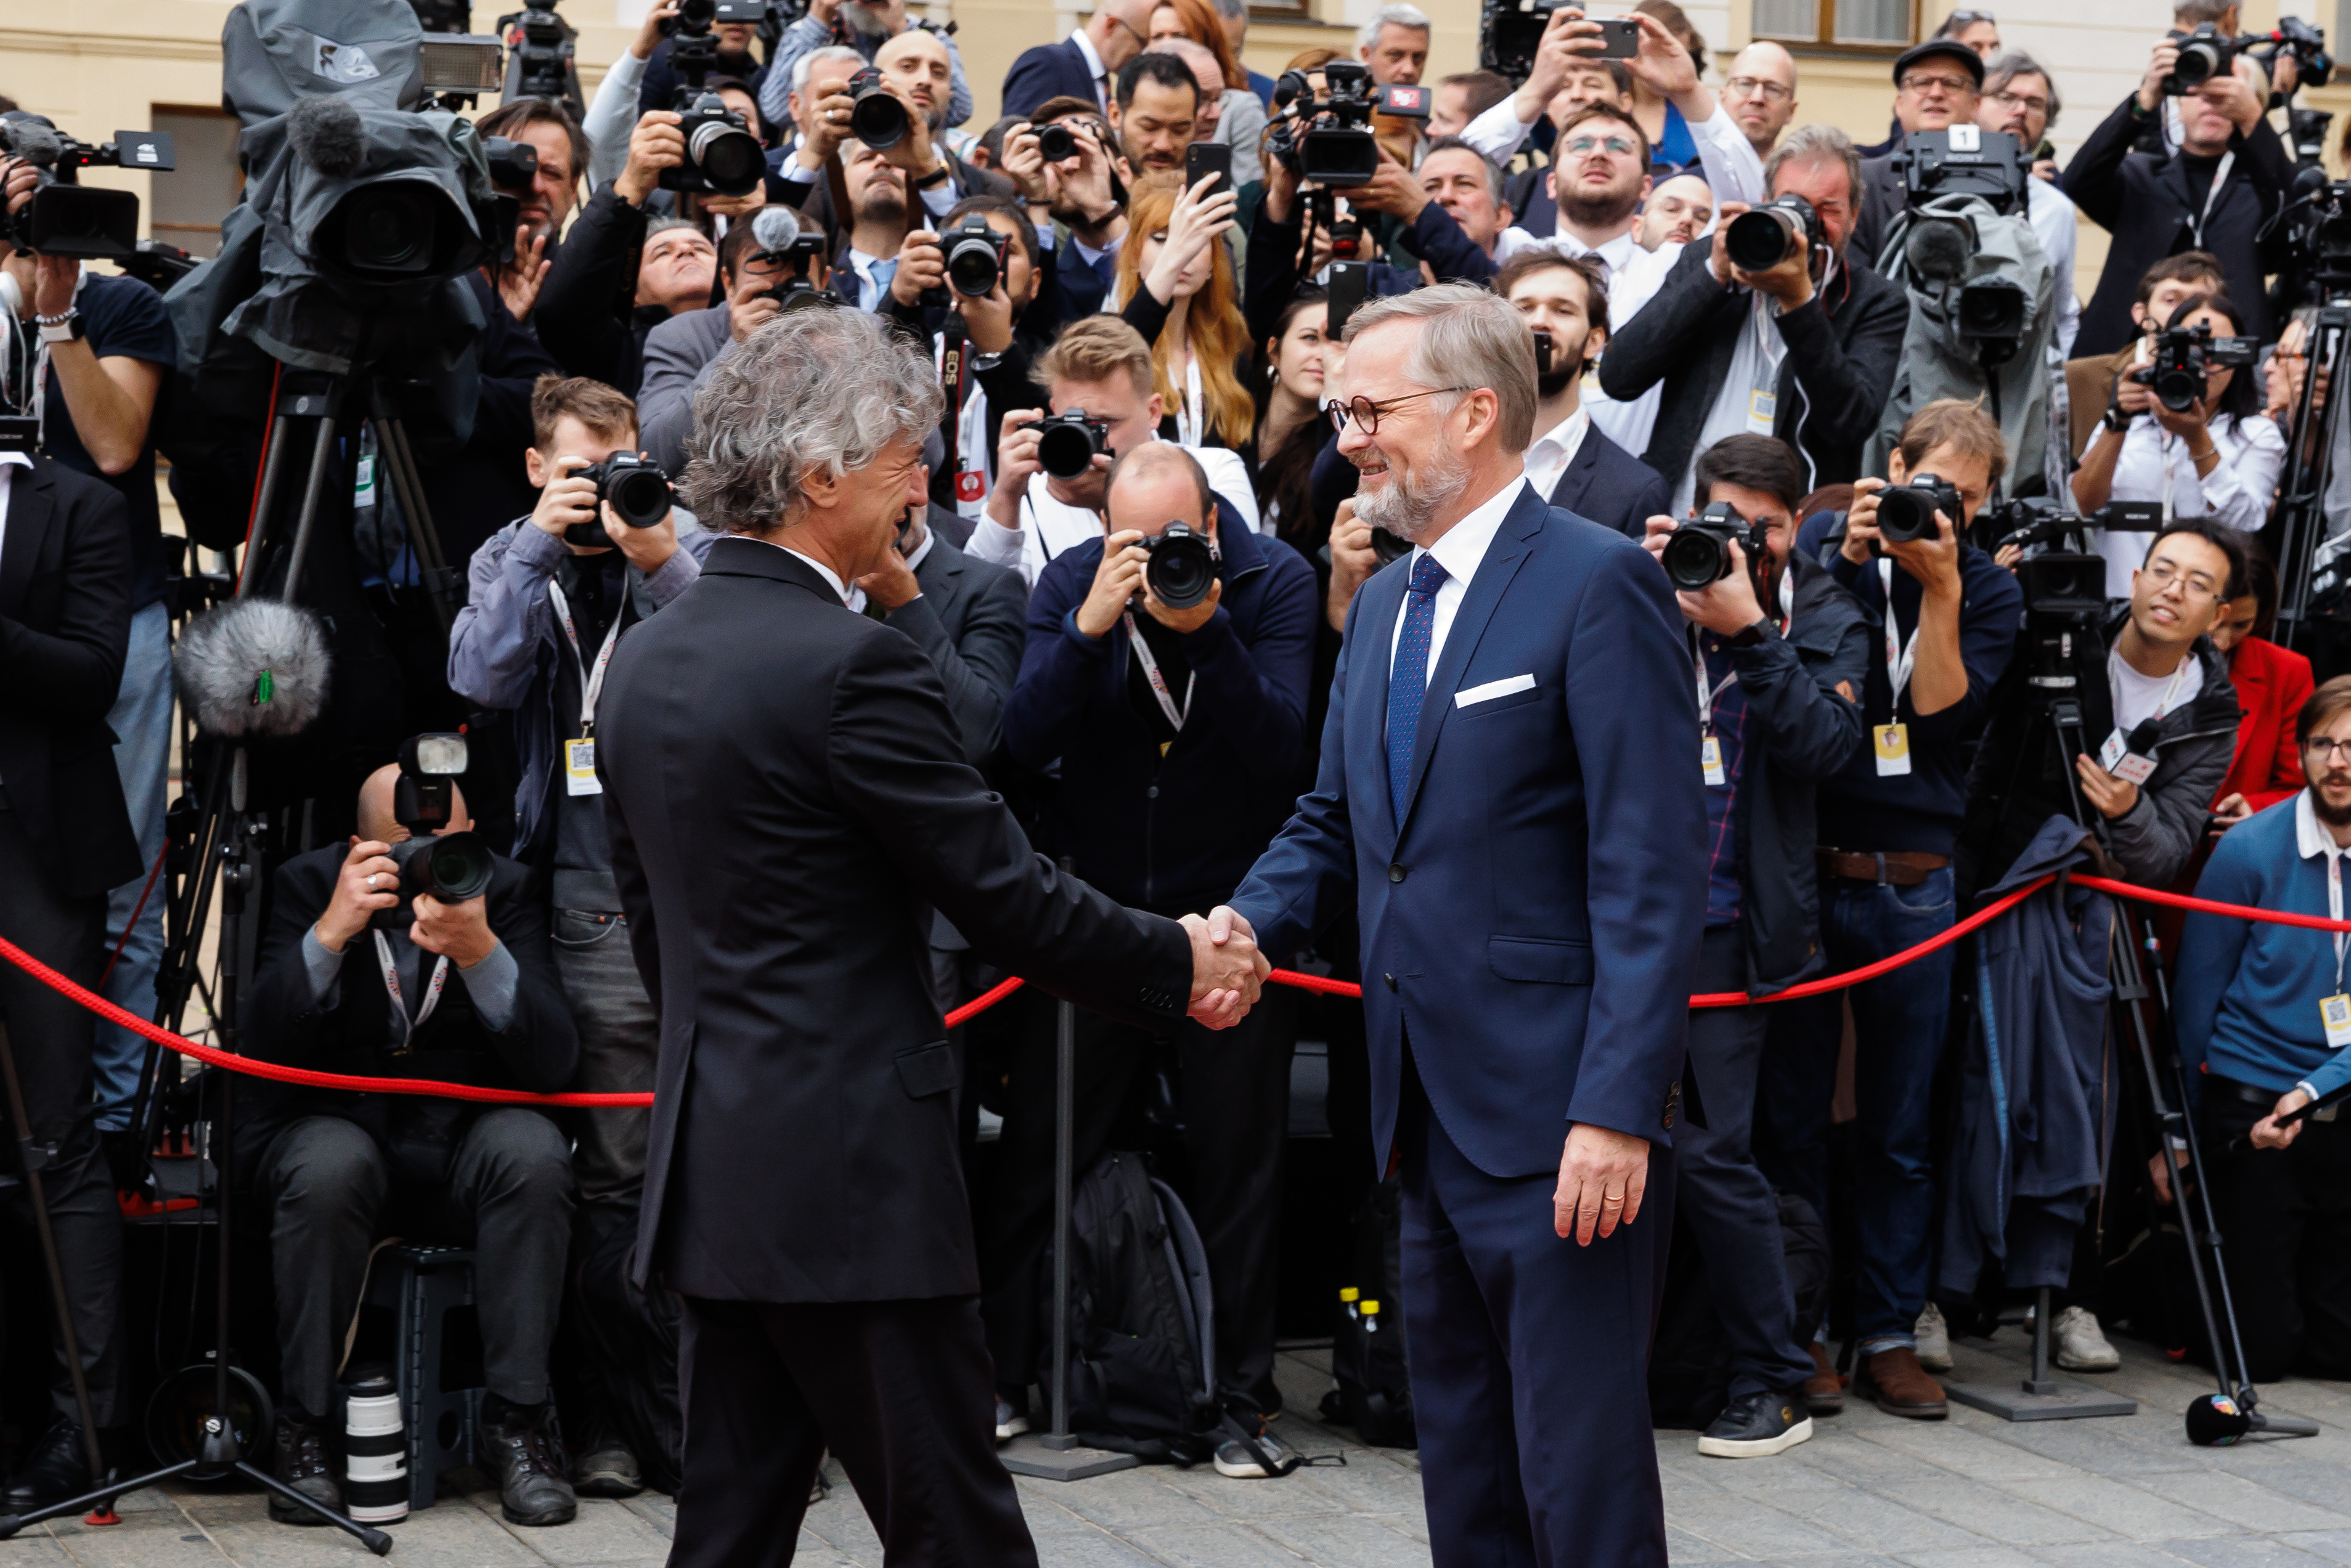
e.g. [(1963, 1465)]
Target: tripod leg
[(321, 460), (375, 1541), (416, 516), (257, 541)]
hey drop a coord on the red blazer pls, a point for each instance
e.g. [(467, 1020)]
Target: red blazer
[(2272, 683)]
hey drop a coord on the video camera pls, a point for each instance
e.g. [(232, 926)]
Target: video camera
[(542, 56), (637, 489), (2028, 520), (1068, 441), (2203, 55), (65, 218), (1328, 139), (1963, 160), (2314, 67), (1906, 512), (1180, 565), (1762, 237), (2183, 356), (452, 867), (1697, 552)]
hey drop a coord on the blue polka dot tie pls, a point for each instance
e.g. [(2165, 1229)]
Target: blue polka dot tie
[(1408, 681)]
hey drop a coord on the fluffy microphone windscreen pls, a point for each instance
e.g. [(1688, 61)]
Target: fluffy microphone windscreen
[(2214, 1422), (1937, 250), (253, 667), (327, 135), (35, 143), (775, 227)]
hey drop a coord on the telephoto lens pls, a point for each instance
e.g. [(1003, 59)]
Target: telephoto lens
[(1056, 142), (728, 156), (878, 117), (1764, 238), (635, 486), (1697, 552), (452, 867), (974, 257), (1906, 513), (375, 1448), (1068, 443), (1181, 567)]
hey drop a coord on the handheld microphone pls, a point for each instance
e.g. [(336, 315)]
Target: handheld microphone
[(253, 667)]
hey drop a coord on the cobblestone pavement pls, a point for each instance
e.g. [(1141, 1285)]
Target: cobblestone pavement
[(1868, 1491)]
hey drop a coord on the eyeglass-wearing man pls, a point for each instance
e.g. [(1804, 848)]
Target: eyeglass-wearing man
[(1761, 93), (2020, 97), (1936, 85)]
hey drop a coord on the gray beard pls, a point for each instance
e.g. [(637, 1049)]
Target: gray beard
[(1403, 506)]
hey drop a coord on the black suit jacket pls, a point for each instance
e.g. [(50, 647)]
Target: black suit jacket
[(1882, 200), (1610, 487), (972, 619), (536, 1050), (1048, 70), (65, 623), (787, 797)]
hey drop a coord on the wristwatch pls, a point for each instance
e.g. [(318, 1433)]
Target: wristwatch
[(2114, 419), (1747, 637), (937, 176), (62, 327)]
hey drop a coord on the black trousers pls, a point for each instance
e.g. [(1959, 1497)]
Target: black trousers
[(2285, 1223), (899, 1392), (52, 1040), (1235, 1106)]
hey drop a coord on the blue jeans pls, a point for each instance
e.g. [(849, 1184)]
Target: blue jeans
[(1898, 1023), (141, 720)]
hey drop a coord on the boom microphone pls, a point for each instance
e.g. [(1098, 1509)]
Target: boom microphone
[(253, 667), (326, 135)]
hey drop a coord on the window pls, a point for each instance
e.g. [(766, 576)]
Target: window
[(185, 206), (1875, 26)]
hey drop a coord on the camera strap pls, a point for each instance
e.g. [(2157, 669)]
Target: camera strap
[(408, 1026), (954, 376), (2220, 178), (1175, 716)]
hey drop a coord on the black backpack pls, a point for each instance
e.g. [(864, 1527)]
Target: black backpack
[(1367, 1347)]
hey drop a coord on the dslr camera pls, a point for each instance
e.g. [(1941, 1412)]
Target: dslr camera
[(452, 867), (877, 117), (1068, 441), (2183, 354), (975, 256), (721, 154), (65, 218), (1697, 552), (1056, 142), (1329, 140), (1181, 566), (2204, 53), (636, 487), (1906, 512), (1764, 238)]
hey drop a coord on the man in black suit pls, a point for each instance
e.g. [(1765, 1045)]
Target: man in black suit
[(1566, 297), (467, 994), (65, 571), (1084, 64), (788, 797)]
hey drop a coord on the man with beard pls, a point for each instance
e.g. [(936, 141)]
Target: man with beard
[(1580, 469), (1157, 106), (1515, 693), (1804, 351), (2258, 1018), (1082, 65), (917, 68), (863, 27), (1677, 211)]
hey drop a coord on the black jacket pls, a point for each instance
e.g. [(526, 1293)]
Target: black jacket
[(536, 1052), (65, 623), (2143, 200), (1843, 347), (585, 315), (787, 801), (1882, 199), (481, 488), (970, 620), (1610, 486)]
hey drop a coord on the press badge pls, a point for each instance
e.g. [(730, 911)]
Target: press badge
[(1762, 408), (2335, 1012), (1893, 743), (1710, 756), (579, 767), (2118, 758)]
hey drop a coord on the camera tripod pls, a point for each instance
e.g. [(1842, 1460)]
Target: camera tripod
[(2311, 587)]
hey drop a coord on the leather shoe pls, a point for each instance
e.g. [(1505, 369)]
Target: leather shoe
[(1899, 1385), (53, 1471), (534, 1484), (305, 1460), (1824, 1389)]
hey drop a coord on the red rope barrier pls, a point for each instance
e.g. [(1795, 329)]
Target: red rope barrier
[(278, 1073)]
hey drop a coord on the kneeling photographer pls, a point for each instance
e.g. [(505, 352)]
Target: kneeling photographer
[(1166, 669), (1772, 640), (413, 952), (2157, 716)]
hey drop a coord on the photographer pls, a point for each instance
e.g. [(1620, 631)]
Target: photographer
[(732, 58), (1102, 367), (1571, 462), (1773, 640), (2219, 457), (2215, 192), (1180, 733), (914, 70), (2091, 380), (65, 840), (868, 29), (1888, 823), (1936, 85), (1080, 193), (2257, 1047), (1808, 358), (466, 993), (682, 350), (1452, 208)]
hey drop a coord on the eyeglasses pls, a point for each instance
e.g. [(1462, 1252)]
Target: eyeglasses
[(1582, 145), (2007, 100), (1139, 37), (2333, 750), (1924, 86), (1367, 413), (2165, 576), (1752, 87)]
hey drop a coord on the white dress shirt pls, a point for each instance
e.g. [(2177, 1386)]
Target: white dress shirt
[(1048, 527), (1552, 452), (1731, 165), (852, 597), (1459, 551), (2052, 215), (1094, 64), (2155, 465), (1629, 424)]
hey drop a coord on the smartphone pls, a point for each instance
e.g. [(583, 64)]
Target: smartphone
[(1350, 284), (1202, 159), (1621, 36)]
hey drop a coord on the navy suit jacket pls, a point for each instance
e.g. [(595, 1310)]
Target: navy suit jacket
[(1534, 918), (1048, 70), (1083, 290), (1610, 487)]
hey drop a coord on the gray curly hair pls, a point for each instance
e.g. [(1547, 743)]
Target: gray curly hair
[(813, 389)]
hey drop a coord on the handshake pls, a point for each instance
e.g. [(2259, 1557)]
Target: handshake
[(1227, 970)]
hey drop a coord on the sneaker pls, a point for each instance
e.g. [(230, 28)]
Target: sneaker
[(1757, 1426), (1010, 1420), (1237, 1461), (1899, 1385), (608, 1470), (306, 1463), (1934, 1338), (2079, 1344), (534, 1483), (1824, 1389)]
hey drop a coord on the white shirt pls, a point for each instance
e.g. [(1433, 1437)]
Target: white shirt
[(1747, 401), (1629, 424), (852, 597), (1552, 452), (2052, 215), (2139, 697), (1459, 551), (1616, 255), (1048, 527), (1733, 166), (2155, 465), (1094, 64)]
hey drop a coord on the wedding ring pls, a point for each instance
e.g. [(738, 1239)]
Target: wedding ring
[(373, 877)]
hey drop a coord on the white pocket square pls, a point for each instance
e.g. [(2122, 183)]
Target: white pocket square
[(1492, 689)]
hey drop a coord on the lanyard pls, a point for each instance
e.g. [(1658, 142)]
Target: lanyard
[(591, 685), (1189, 427), (1175, 716), (392, 988), (1707, 694), (2212, 194), (1898, 665), (1788, 599)]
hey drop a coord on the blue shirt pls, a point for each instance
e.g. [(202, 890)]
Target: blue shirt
[(1729, 731), (2247, 996)]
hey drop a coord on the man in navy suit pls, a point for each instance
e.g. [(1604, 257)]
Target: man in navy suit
[(1082, 65), (1511, 793), (1570, 460)]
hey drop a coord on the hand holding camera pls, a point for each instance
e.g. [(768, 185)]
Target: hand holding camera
[(1015, 464), (369, 882), (1712, 560), (459, 932), (1118, 581), (922, 268), (1023, 162), (1769, 248), (656, 144), (1917, 527), (567, 501), (829, 119)]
